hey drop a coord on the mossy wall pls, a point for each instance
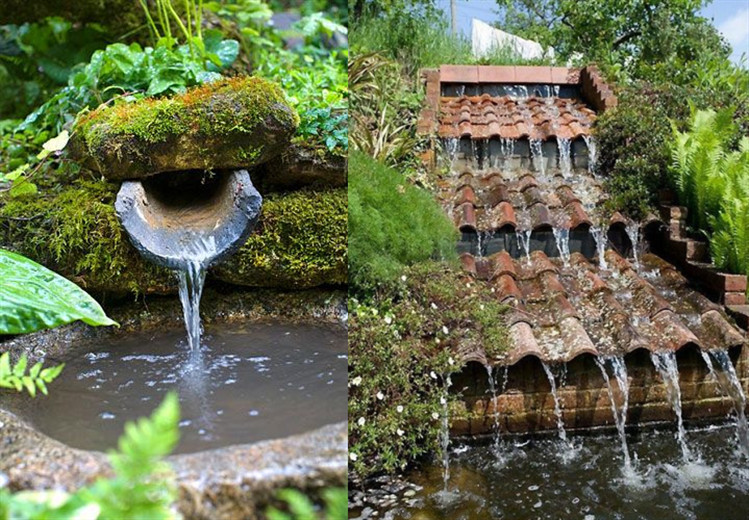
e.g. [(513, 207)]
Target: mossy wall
[(300, 241)]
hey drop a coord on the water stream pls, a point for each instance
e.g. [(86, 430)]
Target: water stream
[(730, 385), (565, 161), (557, 406), (445, 434), (495, 415), (599, 235), (665, 364), (590, 142), (562, 238), (524, 242), (620, 414), (633, 232), (191, 281)]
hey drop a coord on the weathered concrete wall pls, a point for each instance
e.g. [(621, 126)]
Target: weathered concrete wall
[(527, 405)]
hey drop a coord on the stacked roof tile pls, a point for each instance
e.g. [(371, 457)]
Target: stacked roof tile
[(487, 117), (560, 311)]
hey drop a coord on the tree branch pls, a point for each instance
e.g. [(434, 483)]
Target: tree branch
[(624, 38)]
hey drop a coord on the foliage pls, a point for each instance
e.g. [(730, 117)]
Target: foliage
[(628, 35), (419, 38), (386, 109), (141, 488), (400, 344), (712, 181), (16, 376), (34, 298), (392, 224), (302, 508)]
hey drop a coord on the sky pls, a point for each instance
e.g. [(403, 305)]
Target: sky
[(731, 17)]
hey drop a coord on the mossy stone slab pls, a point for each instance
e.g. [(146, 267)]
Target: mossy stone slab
[(228, 124)]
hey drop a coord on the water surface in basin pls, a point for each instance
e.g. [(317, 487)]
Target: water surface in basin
[(248, 383), (534, 481)]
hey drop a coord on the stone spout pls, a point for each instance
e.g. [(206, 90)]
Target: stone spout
[(192, 216)]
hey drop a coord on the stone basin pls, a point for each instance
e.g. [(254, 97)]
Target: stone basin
[(237, 481)]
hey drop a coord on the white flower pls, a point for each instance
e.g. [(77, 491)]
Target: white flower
[(493, 289), (432, 375), (445, 330), (443, 400), (361, 421), (435, 416), (375, 312), (399, 432), (356, 381), (468, 285), (380, 396), (388, 320), (353, 456), (403, 278), (451, 361), (482, 307), (434, 306), (437, 341), (399, 409)]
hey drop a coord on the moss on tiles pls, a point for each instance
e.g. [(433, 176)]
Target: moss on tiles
[(301, 241), (200, 129)]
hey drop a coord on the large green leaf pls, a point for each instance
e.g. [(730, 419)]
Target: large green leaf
[(34, 298)]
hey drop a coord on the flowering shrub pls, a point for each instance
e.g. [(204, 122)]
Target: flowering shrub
[(401, 347)]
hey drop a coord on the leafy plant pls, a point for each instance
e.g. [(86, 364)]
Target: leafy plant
[(712, 181), (400, 345), (142, 487), (33, 298), (392, 224), (302, 508), (16, 377)]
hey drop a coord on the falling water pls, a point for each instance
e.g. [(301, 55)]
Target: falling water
[(445, 434), (665, 364), (507, 146), (590, 142), (565, 161), (731, 386), (538, 155), (600, 239), (493, 390), (633, 232), (191, 282), (524, 242), (450, 145), (620, 416), (562, 238), (557, 406)]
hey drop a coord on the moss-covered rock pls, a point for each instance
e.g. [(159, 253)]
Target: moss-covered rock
[(231, 123), (301, 241), (305, 166)]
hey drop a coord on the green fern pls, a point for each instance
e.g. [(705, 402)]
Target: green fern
[(16, 378)]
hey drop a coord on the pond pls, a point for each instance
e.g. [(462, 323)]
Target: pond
[(538, 479), (247, 383)]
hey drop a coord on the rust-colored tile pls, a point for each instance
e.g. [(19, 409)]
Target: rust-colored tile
[(459, 74), (496, 74)]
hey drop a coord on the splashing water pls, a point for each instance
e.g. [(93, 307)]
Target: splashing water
[(562, 238), (538, 156), (493, 390), (600, 239), (730, 385), (524, 242), (565, 160), (665, 364), (633, 232), (557, 406), (191, 281), (620, 415), (590, 142), (445, 434)]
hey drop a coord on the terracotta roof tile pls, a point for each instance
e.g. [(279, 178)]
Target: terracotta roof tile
[(485, 117)]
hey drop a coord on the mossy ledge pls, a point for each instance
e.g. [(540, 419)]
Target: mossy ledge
[(300, 241), (227, 124)]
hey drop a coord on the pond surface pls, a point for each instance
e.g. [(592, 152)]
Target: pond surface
[(536, 481), (256, 382)]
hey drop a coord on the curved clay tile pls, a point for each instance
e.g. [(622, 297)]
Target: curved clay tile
[(464, 129), (566, 194), (539, 217), (447, 131), (540, 263), (503, 264), (483, 268), (577, 215), (507, 288), (564, 131), (494, 129), (669, 333), (468, 262), (553, 287), (533, 195), (721, 333), (496, 193), (577, 129), (522, 343), (467, 217), (468, 352), (526, 181), (465, 194), (502, 215), (575, 339), (466, 177), (617, 218)]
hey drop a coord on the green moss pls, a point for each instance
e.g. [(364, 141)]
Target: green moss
[(76, 233), (301, 242)]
